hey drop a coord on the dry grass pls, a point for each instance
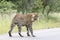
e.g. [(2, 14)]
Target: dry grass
[(54, 21)]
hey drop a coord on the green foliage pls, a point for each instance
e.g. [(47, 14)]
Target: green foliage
[(53, 4), (5, 7), (36, 6), (29, 5)]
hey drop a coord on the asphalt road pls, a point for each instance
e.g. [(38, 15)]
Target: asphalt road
[(43, 34)]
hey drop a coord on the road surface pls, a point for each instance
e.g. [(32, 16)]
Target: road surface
[(42, 34)]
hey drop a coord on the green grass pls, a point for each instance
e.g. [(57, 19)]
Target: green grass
[(53, 22)]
